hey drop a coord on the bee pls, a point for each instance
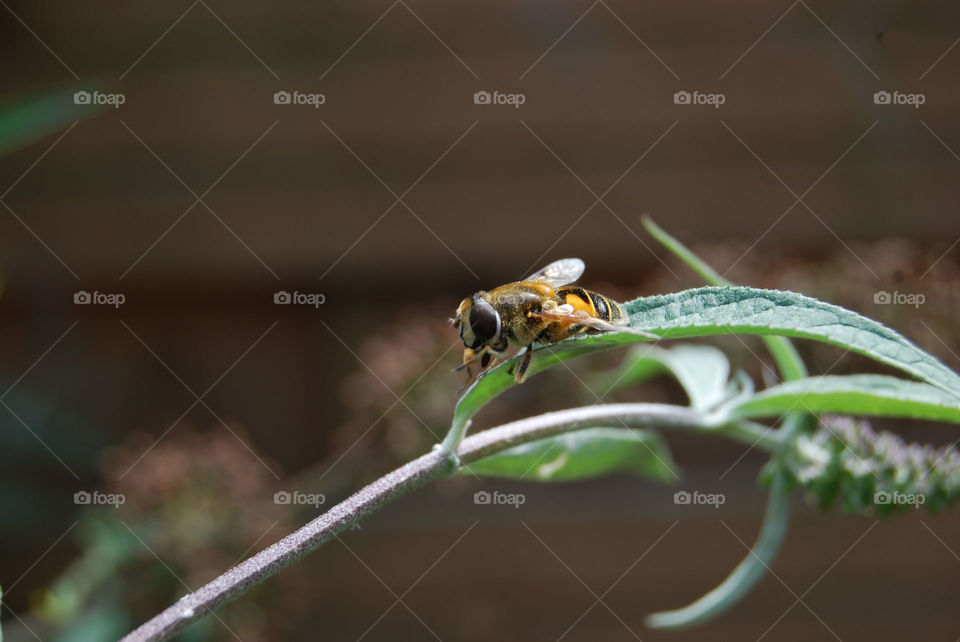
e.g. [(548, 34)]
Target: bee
[(542, 308)]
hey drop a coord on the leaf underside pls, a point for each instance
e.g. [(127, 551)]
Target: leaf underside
[(583, 454)]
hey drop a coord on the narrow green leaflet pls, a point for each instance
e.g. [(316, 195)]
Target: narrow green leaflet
[(703, 371), (878, 395), (685, 254), (582, 454), (747, 573), (784, 353)]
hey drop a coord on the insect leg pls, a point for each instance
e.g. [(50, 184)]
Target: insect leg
[(489, 360), (469, 357), (524, 364)]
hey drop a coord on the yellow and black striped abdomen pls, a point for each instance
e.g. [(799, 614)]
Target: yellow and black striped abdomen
[(593, 303)]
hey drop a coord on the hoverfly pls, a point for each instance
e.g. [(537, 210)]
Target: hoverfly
[(542, 308)]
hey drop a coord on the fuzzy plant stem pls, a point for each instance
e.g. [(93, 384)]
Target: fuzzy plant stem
[(418, 473)]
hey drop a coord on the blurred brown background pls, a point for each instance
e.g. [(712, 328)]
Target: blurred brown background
[(200, 197)]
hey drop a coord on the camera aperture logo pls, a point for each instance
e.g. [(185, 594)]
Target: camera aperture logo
[(898, 298), (98, 98), (296, 498), (899, 98), (498, 98), (496, 498), (299, 98), (282, 297), (82, 297), (699, 98), (899, 499), (96, 498), (696, 498)]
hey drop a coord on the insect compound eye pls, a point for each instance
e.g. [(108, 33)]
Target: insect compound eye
[(484, 323)]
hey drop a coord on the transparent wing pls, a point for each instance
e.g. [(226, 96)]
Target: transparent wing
[(566, 314), (559, 272)]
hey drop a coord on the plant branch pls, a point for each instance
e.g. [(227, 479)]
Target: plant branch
[(417, 474)]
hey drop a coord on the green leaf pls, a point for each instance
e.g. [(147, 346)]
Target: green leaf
[(724, 310), (703, 371), (784, 353), (876, 395), (582, 454), (742, 310)]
